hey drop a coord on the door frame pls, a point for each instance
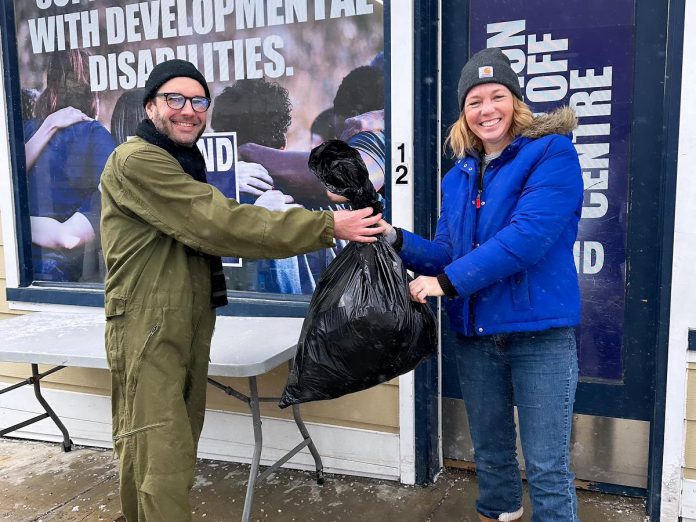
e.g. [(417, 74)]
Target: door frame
[(668, 196), (667, 93)]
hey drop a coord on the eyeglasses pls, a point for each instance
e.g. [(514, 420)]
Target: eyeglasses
[(177, 101)]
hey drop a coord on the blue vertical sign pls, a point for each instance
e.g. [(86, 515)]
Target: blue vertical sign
[(581, 54), (219, 151)]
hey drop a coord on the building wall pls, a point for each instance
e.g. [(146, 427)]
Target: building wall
[(687, 503), (679, 457), (5, 311), (690, 424), (374, 409)]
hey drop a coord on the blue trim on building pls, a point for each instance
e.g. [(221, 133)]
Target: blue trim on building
[(16, 139), (387, 110), (57, 296), (241, 304), (425, 179), (614, 489), (668, 193)]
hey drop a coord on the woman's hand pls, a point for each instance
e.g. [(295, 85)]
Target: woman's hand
[(389, 232), (388, 229), (253, 178), (65, 117), (55, 121), (424, 286)]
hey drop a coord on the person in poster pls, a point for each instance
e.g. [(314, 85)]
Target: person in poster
[(163, 228), (66, 150), (127, 114), (357, 117), (259, 112), (503, 255)]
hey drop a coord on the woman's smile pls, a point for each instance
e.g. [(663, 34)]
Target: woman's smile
[(489, 112)]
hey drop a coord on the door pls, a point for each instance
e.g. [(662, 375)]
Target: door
[(606, 59)]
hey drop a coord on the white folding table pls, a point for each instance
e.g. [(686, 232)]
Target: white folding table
[(241, 347)]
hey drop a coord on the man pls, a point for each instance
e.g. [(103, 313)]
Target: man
[(163, 229)]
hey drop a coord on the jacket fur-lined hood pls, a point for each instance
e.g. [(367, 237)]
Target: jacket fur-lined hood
[(561, 121)]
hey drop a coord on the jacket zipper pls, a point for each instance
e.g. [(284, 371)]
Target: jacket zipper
[(478, 194), (472, 298)]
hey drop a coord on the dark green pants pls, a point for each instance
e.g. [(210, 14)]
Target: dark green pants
[(158, 349)]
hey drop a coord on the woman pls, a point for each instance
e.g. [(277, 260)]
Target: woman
[(64, 161), (503, 255)]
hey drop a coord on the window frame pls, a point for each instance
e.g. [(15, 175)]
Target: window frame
[(22, 291)]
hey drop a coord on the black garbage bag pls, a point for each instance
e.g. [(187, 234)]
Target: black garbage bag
[(362, 328), (341, 169)]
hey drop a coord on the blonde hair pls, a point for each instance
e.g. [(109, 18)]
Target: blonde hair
[(463, 141)]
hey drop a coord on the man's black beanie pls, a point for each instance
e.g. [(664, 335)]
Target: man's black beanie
[(487, 66), (165, 71)]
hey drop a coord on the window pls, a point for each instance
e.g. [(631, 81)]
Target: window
[(282, 80)]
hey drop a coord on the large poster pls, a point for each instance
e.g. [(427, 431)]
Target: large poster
[(284, 76), (581, 54)]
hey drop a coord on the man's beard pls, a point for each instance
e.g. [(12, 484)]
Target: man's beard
[(166, 127)]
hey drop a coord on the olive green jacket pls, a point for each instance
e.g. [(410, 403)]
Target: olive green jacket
[(152, 210)]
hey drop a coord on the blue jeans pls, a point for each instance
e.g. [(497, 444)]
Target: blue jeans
[(285, 276), (538, 372)]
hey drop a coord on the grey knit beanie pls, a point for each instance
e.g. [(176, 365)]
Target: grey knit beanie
[(487, 66), (165, 71)]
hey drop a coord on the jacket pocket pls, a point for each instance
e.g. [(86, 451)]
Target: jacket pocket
[(114, 334), (150, 338), (114, 307), (519, 283)]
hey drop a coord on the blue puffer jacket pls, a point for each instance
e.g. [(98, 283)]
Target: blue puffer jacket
[(511, 261)]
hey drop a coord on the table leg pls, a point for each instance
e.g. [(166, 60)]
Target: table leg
[(254, 477), (258, 442), (35, 381), (67, 443), (310, 443)]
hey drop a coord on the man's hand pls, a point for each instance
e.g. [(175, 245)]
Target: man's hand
[(357, 225), (424, 286), (369, 121), (276, 200), (253, 178)]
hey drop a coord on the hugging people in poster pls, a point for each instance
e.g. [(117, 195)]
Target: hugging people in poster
[(66, 149), (274, 77)]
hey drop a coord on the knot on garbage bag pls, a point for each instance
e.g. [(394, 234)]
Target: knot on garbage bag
[(341, 169)]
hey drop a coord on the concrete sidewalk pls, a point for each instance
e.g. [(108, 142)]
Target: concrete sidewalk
[(40, 483)]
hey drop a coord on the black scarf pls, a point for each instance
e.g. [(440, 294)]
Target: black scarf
[(192, 162)]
